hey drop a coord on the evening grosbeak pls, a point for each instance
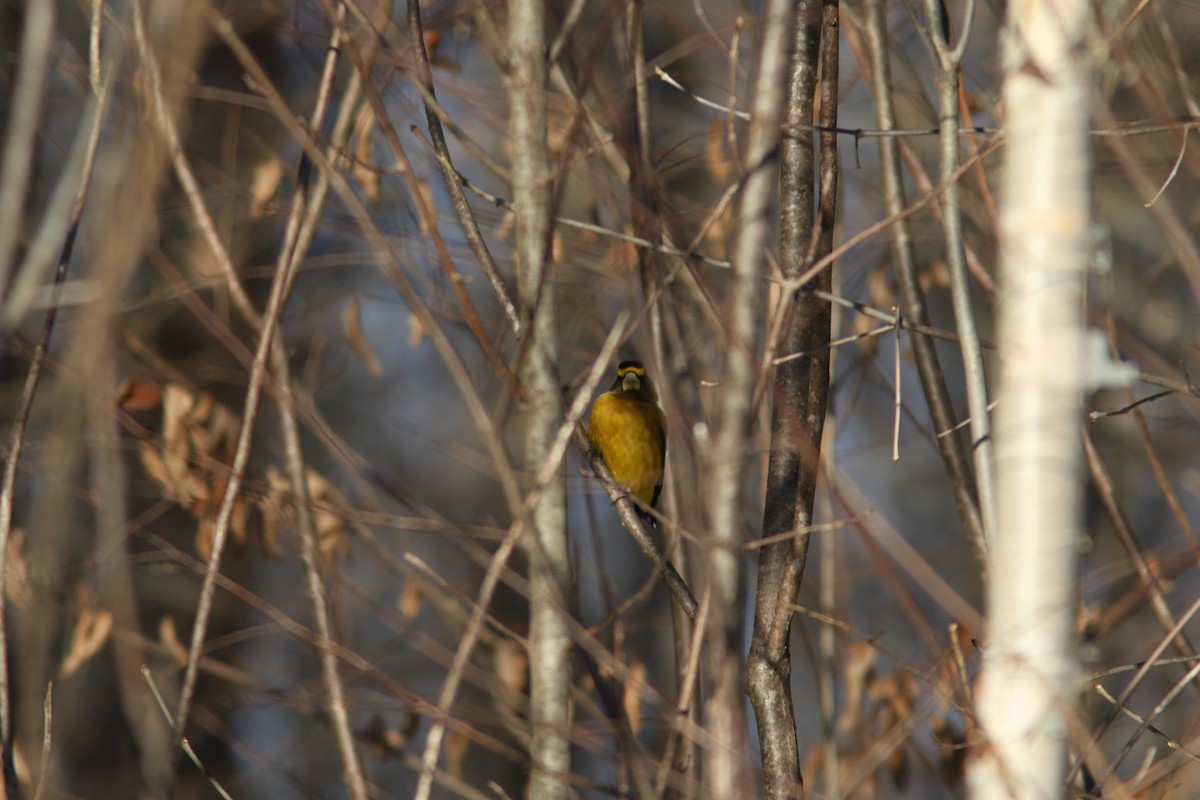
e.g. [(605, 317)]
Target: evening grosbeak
[(628, 430)]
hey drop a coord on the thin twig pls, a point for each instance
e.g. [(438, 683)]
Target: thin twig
[(947, 63), (456, 367), (187, 179), (466, 216), (1170, 742), (1171, 175), (1095, 416), (221, 525), (1147, 574), (1158, 709), (184, 744), (466, 645), (291, 256), (390, 267), (620, 498), (474, 628), (47, 731), (912, 297), (24, 119), (896, 390), (28, 391), (427, 214), (1151, 661), (687, 691), (724, 770)]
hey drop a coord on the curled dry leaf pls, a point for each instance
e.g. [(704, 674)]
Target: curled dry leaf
[(411, 598), (331, 527), (188, 460), (352, 322), (511, 663), (268, 174), (189, 463), (16, 571), (633, 695), (427, 198), (431, 37), (457, 747), (621, 256), (860, 661), (416, 331), (935, 275), (716, 155), (196, 431), (504, 228), (169, 638), (558, 247), (386, 740), (139, 395), (363, 168), (90, 634), (169, 463), (277, 508)]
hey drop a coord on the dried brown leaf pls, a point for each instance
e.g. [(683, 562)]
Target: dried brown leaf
[(633, 695), (139, 395), (416, 331), (205, 531), (364, 156), (16, 570), (511, 663), (558, 247), (457, 747), (431, 37), (716, 156), (352, 322), (268, 174), (169, 637), (411, 599), (331, 528), (621, 256), (89, 636), (860, 660), (427, 195)]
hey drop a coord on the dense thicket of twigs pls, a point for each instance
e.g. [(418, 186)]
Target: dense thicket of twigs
[(303, 301)]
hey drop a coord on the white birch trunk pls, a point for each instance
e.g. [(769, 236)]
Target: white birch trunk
[(1029, 659), (546, 544)]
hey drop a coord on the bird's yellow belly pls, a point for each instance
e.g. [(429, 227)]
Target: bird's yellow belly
[(627, 436)]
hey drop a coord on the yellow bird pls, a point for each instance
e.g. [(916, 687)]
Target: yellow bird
[(629, 432)]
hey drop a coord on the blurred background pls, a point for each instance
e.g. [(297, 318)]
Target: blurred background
[(131, 434)]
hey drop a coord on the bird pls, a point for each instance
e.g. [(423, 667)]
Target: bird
[(629, 431)]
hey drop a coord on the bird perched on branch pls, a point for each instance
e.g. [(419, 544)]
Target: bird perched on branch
[(629, 432)]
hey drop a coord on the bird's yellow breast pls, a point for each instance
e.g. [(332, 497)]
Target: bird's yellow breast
[(630, 435)]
